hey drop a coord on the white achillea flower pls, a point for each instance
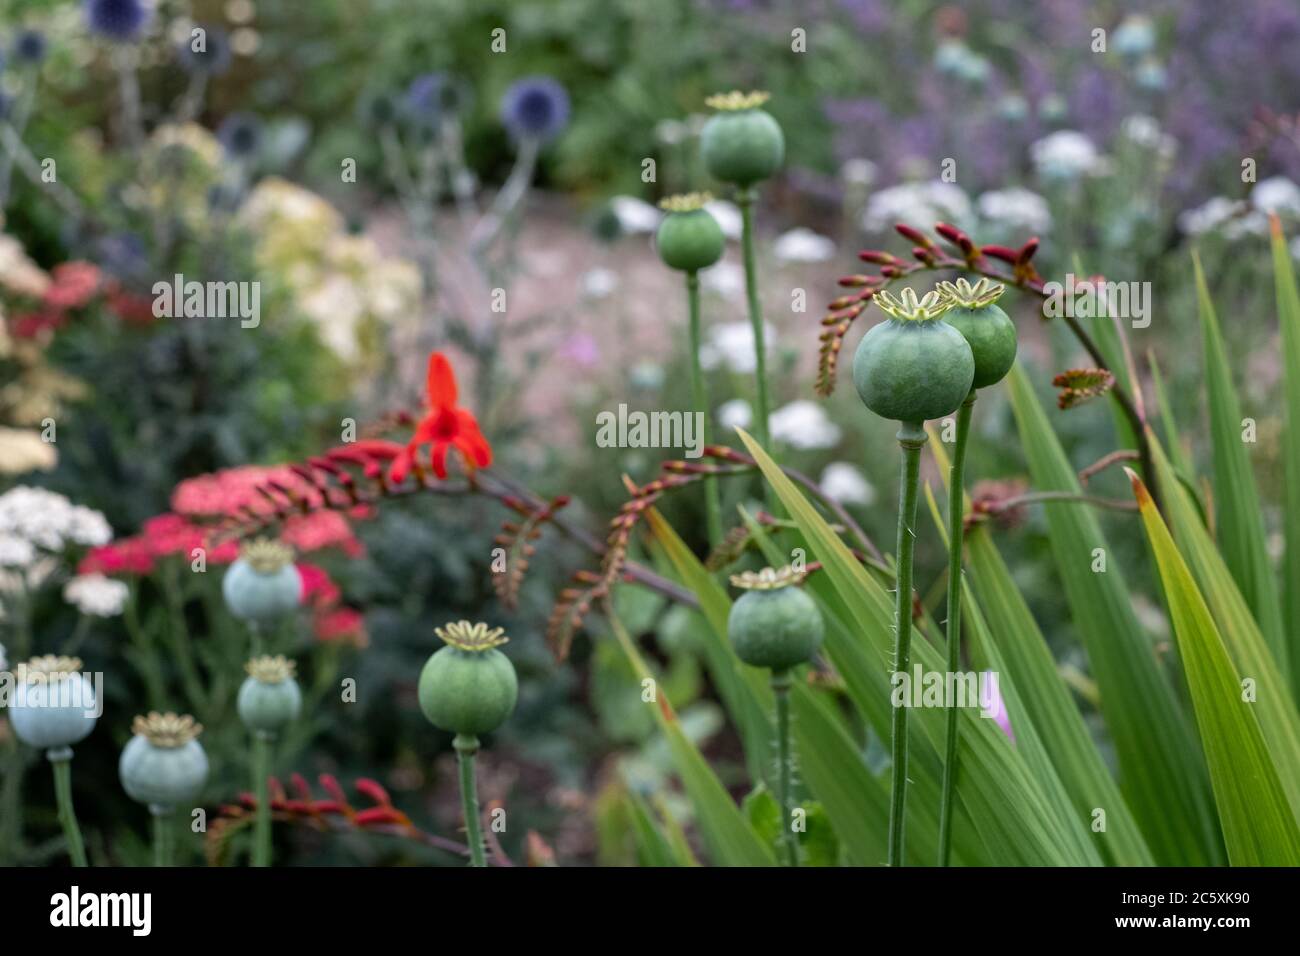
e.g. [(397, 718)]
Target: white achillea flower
[(1276, 194), (15, 552), (635, 215), (803, 245), (844, 483), (50, 521), (728, 217), (1145, 132), (599, 283), (1064, 155), (95, 595), (726, 279), (731, 344), (735, 413), (804, 424), (1017, 209), (920, 204)]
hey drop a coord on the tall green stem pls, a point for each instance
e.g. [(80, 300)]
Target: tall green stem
[(911, 438), (956, 537), (700, 401), (466, 747), (162, 836), (61, 760), (745, 199), (261, 787), (781, 693)]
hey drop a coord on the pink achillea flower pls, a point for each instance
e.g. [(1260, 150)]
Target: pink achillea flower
[(73, 285)]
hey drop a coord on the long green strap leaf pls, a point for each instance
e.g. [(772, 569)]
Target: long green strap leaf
[(1259, 826), (1288, 315), (1239, 523), (1162, 773)]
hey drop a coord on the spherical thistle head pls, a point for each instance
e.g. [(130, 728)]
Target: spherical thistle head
[(774, 624), (689, 238), (913, 367), (240, 134), (535, 107), (989, 331), (741, 143), (205, 51), (263, 585), (163, 764), (53, 704), (118, 20), (30, 47), (468, 687), (269, 699)]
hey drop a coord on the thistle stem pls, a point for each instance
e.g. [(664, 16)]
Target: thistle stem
[(699, 399), (162, 836), (466, 747), (956, 536), (911, 438), (745, 199), (261, 787), (785, 772), (61, 761)]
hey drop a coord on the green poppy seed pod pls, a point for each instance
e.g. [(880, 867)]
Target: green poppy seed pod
[(774, 624), (53, 704), (269, 699), (263, 585), (468, 687), (689, 238), (988, 330), (913, 367), (163, 765), (741, 143)]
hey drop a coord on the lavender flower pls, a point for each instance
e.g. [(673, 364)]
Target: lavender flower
[(536, 107), (213, 59), (120, 20)]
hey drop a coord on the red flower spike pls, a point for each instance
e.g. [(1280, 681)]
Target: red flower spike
[(1026, 251), (300, 787), (330, 784), (914, 235), (374, 790), (445, 425), (378, 816)]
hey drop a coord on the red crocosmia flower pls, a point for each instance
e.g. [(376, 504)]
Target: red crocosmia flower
[(445, 425)]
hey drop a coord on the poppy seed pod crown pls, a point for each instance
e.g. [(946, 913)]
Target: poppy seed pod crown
[(468, 687), (741, 143), (774, 624), (989, 331), (689, 238)]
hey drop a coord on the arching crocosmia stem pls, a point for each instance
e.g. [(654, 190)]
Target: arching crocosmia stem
[(60, 760), (956, 504), (466, 748), (911, 438), (700, 402)]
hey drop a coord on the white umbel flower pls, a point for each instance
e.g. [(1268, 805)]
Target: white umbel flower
[(734, 414), (803, 245), (1276, 194), (15, 552), (731, 344), (95, 595), (804, 424), (1017, 209), (1064, 155), (845, 484), (49, 520), (635, 216), (919, 204)]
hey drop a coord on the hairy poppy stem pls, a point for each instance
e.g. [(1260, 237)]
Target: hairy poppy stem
[(911, 438), (466, 747), (61, 761), (699, 398), (785, 772), (261, 787), (956, 535)]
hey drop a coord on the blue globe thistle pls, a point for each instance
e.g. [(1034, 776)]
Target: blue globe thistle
[(30, 47), (120, 20), (536, 107), (240, 134), (213, 60), (424, 102)]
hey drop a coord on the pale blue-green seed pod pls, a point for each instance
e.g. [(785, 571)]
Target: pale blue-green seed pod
[(54, 705), (269, 699), (163, 766), (263, 585)]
